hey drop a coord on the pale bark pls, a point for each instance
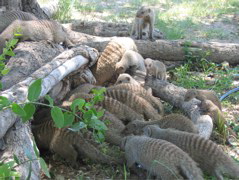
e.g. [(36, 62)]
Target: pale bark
[(168, 50), (175, 96), (51, 74)]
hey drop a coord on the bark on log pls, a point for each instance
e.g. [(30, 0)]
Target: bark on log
[(106, 29), (168, 50), (30, 56), (51, 74), (24, 5), (175, 96)]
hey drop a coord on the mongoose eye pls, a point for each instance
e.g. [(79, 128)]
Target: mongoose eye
[(120, 82)]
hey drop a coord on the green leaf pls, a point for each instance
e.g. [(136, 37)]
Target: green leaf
[(49, 99), (77, 126), (98, 125), (100, 113), (77, 103), (10, 53), (13, 42), (4, 102), (17, 109), (87, 116), (34, 90), (0, 85), (5, 71), (58, 117), (68, 119), (44, 168), (36, 149), (16, 159), (29, 110)]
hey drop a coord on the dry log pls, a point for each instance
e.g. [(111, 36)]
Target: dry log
[(175, 96), (168, 50), (51, 74), (106, 29)]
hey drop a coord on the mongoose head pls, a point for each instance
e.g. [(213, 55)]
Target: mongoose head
[(190, 94), (124, 142), (119, 68), (206, 105), (143, 12), (133, 127), (150, 130), (148, 64), (126, 78)]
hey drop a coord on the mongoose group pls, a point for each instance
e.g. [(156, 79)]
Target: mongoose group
[(166, 146)]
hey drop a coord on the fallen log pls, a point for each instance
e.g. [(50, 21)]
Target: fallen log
[(51, 74), (175, 96), (169, 50)]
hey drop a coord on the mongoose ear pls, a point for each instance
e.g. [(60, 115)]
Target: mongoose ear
[(147, 131), (127, 78), (123, 143)]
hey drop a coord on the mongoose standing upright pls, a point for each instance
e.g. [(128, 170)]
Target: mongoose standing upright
[(155, 68), (126, 78), (202, 94), (132, 60), (140, 91), (160, 158), (176, 121), (144, 18), (205, 152)]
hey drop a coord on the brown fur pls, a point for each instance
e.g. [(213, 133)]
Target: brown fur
[(202, 94), (160, 158), (144, 18), (176, 121), (205, 152), (135, 102), (140, 91), (120, 110), (155, 68), (130, 60), (104, 69), (37, 30), (67, 144), (126, 78), (8, 17)]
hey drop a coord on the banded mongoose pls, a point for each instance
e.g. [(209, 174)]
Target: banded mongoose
[(155, 68), (8, 17), (205, 152), (120, 110), (37, 30), (211, 109), (144, 19), (176, 121), (130, 60), (142, 92), (126, 78), (135, 102), (202, 94), (104, 69), (160, 158), (68, 144)]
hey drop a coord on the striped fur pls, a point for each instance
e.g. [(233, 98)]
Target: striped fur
[(160, 158), (67, 144), (140, 91), (176, 121), (8, 17), (120, 110), (135, 102), (37, 30), (104, 69), (206, 153)]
